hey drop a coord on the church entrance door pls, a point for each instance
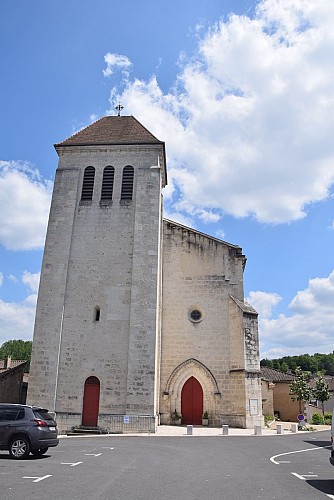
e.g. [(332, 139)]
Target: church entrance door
[(192, 402), (90, 407)]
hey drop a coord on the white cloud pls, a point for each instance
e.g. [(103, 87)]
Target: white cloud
[(116, 61), (250, 120), (263, 302), (17, 318), (31, 281), (220, 233), (24, 204), (12, 278), (308, 329)]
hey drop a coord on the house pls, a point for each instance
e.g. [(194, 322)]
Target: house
[(276, 394), (13, 389)]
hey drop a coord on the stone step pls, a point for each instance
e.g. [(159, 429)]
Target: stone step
[(82, 430)]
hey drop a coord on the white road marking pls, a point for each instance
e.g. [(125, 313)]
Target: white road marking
[(71, 464), (330, 496), (108, 447), (272, 459), (37, 479), (93, 454), (305, 476), (284, 462)]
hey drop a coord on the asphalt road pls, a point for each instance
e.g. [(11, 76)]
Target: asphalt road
[(287, 467)]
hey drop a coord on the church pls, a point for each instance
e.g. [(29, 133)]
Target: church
[(139, 318)]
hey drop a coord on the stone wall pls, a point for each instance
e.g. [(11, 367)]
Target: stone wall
[(106, 256), (201, 273)]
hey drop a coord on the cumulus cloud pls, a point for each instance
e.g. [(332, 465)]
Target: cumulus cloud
[(249, 122), (263, 302), (17, 318), (31, 280), (309, 328), (24, 203)]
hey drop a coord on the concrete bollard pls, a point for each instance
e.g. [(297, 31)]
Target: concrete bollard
[(225, 430), (189, 430), (280, 428), (294, 427), (257, 430)]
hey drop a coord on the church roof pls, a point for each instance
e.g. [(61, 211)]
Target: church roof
[(112, 130), (115, 131), (244, 306)]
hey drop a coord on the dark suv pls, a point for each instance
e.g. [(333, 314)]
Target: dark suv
[(25, 429)]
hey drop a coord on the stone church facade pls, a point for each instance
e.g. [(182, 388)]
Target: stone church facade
[(138, 317)]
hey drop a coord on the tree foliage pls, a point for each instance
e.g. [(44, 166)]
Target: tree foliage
[(300, 389), (321, 393), (17, 349), (308, 363)]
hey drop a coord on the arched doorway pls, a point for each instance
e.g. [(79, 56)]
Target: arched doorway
[(192, 402), (91, 399)]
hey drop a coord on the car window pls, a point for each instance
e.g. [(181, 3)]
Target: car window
[(8, 414), (42, 414), (20, 414)]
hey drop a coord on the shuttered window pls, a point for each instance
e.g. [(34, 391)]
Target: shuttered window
[(107, 183), (88, 184), (127, 183)]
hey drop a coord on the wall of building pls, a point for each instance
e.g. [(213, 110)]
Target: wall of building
[(201, 273), (107, 256), (11, 386), (287, 409)]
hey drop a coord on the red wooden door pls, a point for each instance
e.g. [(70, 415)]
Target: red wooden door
[(90, 407), (192, 402)]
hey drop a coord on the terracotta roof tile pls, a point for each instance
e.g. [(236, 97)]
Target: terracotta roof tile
[(273, 375), (112, 130)]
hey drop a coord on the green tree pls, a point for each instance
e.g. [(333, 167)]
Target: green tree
[(17, 349), (321, 393), (300, 389)]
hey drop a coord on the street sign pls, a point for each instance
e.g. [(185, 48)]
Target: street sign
[(301, 417), (126, 419)]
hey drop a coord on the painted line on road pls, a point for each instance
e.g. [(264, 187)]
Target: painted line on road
[(71, 464), (36, 478), (93, 454), (272, 459), (108, 447), (305, 476), (330, 496)]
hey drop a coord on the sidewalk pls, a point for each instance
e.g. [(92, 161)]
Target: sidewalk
[(175, 430), (181, 430)]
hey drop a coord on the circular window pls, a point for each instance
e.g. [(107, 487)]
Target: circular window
[(195, 315)]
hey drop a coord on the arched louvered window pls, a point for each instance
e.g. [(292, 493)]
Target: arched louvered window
[(107, 183), (88, 184), (127, 183)]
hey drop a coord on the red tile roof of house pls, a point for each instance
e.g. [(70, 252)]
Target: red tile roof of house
[(272, 375)]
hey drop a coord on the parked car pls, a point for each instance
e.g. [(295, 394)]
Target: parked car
[(331, 458), (25, 429)]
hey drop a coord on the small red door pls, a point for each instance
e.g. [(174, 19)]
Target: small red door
[(192, 402), (91, 399)]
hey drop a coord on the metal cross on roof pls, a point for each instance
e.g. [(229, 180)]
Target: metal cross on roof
[(119, 108)]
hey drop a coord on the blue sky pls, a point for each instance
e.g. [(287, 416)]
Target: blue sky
[(242, 94)]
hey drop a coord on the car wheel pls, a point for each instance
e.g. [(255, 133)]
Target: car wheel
[(40, 451), (19, 448)]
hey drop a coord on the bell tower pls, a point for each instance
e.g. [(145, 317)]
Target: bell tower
[(98, 311)]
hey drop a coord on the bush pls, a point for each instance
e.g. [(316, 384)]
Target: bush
[(268, 419), (317, 419), (328, 418)]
